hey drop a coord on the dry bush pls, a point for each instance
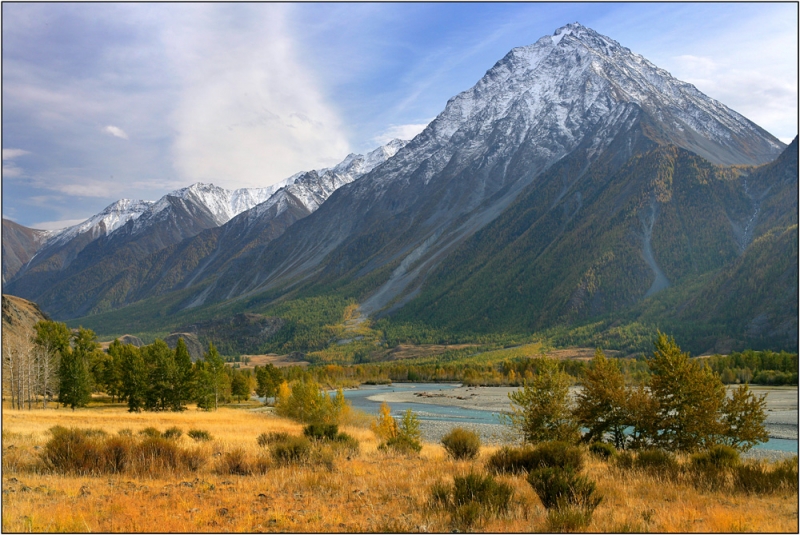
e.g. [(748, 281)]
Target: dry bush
[(461, 443), (235, 462)]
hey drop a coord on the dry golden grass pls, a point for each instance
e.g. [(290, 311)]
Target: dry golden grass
[(371, 491)]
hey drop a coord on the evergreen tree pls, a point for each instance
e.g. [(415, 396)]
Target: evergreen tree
[(182, 391), (162, 371), (75, 381), (133, 375), (743, 419), (212, 381), (240, 385)]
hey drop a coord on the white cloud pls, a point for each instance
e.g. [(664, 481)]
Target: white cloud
[(10, 154), (401, 131), (115, 131), (56, 225), (250, 113)]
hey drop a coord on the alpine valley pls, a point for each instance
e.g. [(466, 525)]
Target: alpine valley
[(577, 192)]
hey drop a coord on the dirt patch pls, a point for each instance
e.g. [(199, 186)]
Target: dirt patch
[(580, 353), (279, 361), (411, 351)]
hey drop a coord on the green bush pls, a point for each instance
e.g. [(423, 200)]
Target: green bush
[(557, 454), (347, 443), (483, 490), (265, 439), (321, 431), (291, 450), (568, 519), (462, 443), (604, 450), (718, 456), (559, 488), (173, 433), (512, 460), (401, 444), (625, 460), (151, 432), (465, 516), (658, 461), (440, 494), (199, 435)]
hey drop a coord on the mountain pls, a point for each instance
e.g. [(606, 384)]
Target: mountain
[(19, 245), (126, 252), (20, 317), (537, 122), (575, 184)]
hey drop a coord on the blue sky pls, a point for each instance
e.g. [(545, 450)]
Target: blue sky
[(110, 101)]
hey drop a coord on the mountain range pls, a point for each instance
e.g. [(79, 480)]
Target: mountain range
[(576, 184)]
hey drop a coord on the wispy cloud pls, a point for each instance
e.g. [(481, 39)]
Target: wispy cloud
[(250, 113), (115, 131), (56, 225), (10, 167), (400, 131), (10, 154)]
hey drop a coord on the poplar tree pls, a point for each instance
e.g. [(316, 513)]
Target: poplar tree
[(75, 382), (133, 374)]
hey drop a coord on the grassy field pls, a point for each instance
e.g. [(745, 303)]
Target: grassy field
[(368, 491)]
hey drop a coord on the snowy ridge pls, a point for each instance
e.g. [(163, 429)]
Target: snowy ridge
[(312, 188), (557, 89), (111, 218)]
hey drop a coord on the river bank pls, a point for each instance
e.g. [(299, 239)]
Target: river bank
[(781, 422)]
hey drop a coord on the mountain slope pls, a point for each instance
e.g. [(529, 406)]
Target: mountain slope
[(19, 246), (575, 95), (155, 251)]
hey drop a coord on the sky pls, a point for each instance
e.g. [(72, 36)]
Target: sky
[(134, 100)]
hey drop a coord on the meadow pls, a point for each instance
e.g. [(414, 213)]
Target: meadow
[(368, 490)]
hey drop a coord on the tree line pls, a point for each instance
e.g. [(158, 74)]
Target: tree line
[(57, 363)]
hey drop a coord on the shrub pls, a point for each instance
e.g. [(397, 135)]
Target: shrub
[(603, 450), (291, 450), (557, 454), (483, 490), (151, 432), (348, 443), (321, 431), (265, 439), (72, 451), (401, 444), (440, 494), (462, 443), (718, 456), (465, 516), (125, 432), (511, 460), (235, 462), (199, 435), (117, 454), (756, 478), (561, 487), (625, 460), (568, 519), (194, 459), (659, 461), (173, 433), (157, 455)]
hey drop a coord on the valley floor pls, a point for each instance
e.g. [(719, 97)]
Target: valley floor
[(364, 492)]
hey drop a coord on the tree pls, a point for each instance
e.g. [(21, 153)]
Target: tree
[(689, 399), (384, 426), (160, 361), (268, 379), (133, 376), (240, 385), (75, 381), (540, 410), (601, 405), (743, 419), (182, 391), (212, 381)]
